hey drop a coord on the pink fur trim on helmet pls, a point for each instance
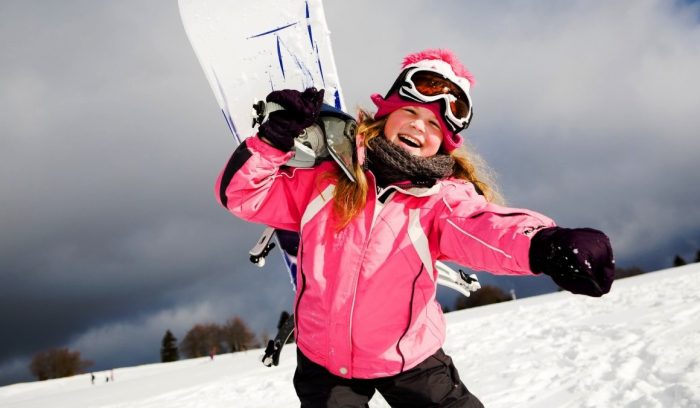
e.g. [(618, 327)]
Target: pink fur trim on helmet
[(443, 55), (450, 141)]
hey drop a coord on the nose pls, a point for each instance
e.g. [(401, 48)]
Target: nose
[(419, 125)]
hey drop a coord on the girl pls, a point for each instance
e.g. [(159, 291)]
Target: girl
[(366, 315)]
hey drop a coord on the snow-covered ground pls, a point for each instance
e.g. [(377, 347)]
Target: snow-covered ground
[(639, 346)]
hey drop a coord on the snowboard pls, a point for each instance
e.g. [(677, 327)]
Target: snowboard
[(249, 49)]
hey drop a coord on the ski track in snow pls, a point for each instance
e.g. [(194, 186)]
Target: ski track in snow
[(636, 347)]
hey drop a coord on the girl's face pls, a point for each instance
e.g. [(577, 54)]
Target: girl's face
[(415, 129)]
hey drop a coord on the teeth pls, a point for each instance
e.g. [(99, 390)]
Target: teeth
[(410, 139)]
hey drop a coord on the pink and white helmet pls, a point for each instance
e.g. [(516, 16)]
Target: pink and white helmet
[(436, 80)]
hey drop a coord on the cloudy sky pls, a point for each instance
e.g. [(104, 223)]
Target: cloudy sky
[(110, 141)]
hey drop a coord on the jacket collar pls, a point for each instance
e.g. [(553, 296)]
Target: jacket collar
[(409, 189)]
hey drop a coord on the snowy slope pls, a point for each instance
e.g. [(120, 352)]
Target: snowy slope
[(639, 346)]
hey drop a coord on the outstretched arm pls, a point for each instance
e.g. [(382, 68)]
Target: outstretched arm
[(486, 236), (513, 241)]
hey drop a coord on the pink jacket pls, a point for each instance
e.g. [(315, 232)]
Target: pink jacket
[(365, 304)]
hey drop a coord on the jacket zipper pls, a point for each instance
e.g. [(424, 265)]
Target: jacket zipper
[(356, 277), (410, 317), (301, 291)]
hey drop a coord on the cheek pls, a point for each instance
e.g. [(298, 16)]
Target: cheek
[(433, 143), (390, 130)]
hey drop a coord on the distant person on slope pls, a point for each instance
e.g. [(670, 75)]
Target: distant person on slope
[(366, 315)]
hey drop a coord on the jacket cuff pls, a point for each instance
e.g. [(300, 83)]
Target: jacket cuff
[(255, 144)]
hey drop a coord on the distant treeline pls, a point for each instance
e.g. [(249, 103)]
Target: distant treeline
[(209, 339)]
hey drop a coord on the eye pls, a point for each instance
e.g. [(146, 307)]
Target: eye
[(435, 124), (410, 110)]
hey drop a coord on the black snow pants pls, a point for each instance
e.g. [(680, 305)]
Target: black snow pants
[(432, 383)]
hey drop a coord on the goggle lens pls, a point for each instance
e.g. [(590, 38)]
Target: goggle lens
[(459, 108), (432, 84)]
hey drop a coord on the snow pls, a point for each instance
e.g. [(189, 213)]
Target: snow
[(636, 347)]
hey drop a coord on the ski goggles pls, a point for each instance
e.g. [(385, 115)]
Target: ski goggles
[(426, 85)]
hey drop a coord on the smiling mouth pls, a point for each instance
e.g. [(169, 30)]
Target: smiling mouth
[(410, 141)]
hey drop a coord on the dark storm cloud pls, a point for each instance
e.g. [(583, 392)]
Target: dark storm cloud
[(107, 169), (111, 140)]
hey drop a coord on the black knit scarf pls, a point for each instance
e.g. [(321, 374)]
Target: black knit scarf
[(392, 164)]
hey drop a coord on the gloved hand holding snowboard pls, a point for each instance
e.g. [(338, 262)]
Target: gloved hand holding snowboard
[(301, 109)]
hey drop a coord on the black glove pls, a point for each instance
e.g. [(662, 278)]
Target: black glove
[(579, 260), (301, 109)]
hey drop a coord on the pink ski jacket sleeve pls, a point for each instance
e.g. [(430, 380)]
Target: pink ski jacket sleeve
[(365, 303), (483, 235), (260, 192)]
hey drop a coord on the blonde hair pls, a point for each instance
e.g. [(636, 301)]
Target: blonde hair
[(350, 198)]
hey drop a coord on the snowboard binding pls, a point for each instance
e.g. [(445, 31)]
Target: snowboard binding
[(274, 347), (262, 248), (332, 137)]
